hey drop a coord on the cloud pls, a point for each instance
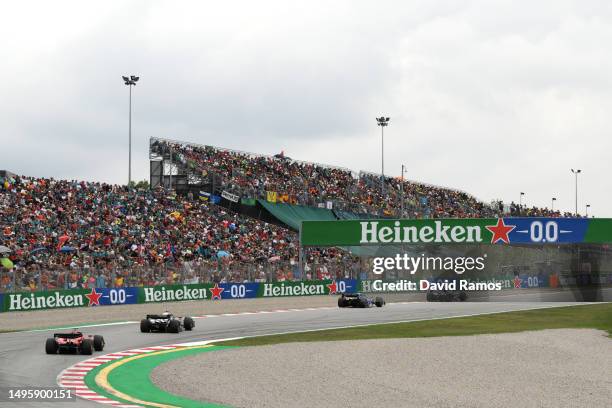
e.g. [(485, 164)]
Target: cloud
[(490, 97)]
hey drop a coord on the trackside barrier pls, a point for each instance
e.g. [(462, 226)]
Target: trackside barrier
[(68, 298)]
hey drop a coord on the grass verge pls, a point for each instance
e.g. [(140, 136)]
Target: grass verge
[(597, 316)]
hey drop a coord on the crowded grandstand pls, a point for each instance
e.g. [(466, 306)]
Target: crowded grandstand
[(207, 215)]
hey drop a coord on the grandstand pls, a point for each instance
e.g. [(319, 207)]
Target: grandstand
[(235, 177), (211, 214)]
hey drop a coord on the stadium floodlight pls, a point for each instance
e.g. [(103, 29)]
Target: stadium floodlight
[(576, 172), (130, 81), (586, 210), (552, 206), (382, 122), (521, 202), (402, 190)]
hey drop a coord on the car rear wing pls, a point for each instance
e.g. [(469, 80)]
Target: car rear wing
[(156, 316)]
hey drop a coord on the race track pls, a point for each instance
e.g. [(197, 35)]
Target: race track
[(23, 361)]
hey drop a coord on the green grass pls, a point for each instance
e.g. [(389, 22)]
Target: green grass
[(576, 317)]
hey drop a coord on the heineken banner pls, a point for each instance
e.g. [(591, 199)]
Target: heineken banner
[(55, 299), (172, 293), (466, 231), (306, 288), (118, 296)]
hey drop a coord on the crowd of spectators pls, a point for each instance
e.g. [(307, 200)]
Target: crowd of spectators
[(311, 184), (65, 234)]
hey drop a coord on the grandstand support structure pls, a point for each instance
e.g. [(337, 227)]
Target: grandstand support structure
[(168, 169)]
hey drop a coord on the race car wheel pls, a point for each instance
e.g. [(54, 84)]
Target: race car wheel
[(145, 326), (173, 326), (86, 347), (98, 343), (51, 346), (342, 302), (188, 323), (379, 301)]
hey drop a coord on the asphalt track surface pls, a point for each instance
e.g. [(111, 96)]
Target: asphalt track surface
[(23, 362)]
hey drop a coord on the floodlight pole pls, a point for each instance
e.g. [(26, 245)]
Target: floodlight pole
[(130, 81), (552, 206), (130, 141), (576, 172), (382, 122), (402, 190)]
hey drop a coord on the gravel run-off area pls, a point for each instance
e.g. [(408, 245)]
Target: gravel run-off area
[(548, 368)]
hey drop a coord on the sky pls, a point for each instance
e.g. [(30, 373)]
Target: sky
[(492, 97)]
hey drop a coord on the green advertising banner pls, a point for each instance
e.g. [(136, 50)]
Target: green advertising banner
[(306, 288), (22, 301), (174, 293), (536, 230)]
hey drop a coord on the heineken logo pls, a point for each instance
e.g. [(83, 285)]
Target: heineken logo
[(297, 289), (439, 233), (94, 298), (373, 233), (34, 301), (173, 293), (215, 292)]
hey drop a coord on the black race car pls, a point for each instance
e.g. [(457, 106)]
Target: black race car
[(446, 296), (166, 322), (359, 300)]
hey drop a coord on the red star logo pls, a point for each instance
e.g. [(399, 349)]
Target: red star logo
[(94, 298), (216, 292), (517, 282), (500, 231), (333, 288)]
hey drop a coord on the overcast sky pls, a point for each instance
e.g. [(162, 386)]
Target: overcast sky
[(492, 97)]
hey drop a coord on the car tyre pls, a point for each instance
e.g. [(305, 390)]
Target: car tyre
[(145, 326), (98, 343), (87, 347), (173, 326), (51, 346), (341, 302), (189, 323), (379, 301)]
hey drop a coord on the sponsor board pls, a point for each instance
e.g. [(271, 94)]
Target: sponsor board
[(306, 288), (54, 299), (118, 296), (229, 196), (461, 231), (238, 290), (173, 293)]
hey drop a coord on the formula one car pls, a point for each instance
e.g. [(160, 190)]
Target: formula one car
[(166, 322), (446, 296), (74, 342), (359, 300)]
